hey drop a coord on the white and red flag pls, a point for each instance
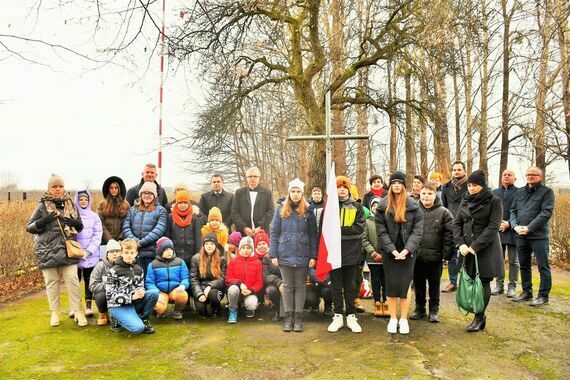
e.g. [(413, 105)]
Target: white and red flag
[(329, 257)]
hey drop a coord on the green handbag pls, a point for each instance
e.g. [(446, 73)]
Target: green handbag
[(469, 294)]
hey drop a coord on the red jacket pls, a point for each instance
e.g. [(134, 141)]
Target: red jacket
[(246, 270)]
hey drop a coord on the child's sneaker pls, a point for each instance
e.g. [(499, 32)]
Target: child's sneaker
[(336, 324), (148, 329), (352, 323), (233, 316), (404, 326), (115, 326), (250, 313), (392, 326), (177, 314)]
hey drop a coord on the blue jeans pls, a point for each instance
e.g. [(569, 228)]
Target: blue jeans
[(525, 247), (131, 316), (453, 268)]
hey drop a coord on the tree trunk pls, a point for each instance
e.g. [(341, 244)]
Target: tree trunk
[(410, 148), (361, 146), (468, 85), (483, 128), (562, 14), (393, 125), (441, 130), (505, 128), (457, 118), (337, 41), (423, 135)]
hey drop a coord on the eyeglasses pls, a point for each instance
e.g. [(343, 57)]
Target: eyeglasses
[(147, 193), (532, 175)]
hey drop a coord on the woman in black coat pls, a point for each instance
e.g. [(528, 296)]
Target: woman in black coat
[(476, 232), (399, 223)]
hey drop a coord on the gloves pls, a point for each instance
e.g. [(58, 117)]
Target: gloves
[(71, 222), (45, 220)]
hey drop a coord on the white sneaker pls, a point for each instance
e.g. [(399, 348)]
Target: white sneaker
[(352, 323), (177, 314), (336, 323), (392, 326), (404, 326)]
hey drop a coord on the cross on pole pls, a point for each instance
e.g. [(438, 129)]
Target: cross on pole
[(328, 137)]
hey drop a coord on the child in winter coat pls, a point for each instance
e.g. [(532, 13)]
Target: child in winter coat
[(207, 276), (317, 289), (233, 246), (169, 275), (130, 305), (273, 283), (216, 226), (261, 244), (244, 280), (99, 279), (90, 240)]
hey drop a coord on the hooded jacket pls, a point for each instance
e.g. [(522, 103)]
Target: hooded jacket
[(98, 277), (90, 236), (437, 240), (271, 273), (146, 227), (200, 283), (352, 223), (245, 270), (122, 281), (112, 224), (167, 274), (187, 240)]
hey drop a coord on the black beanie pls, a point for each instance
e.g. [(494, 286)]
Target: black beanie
[(478, 178), (398, 176)]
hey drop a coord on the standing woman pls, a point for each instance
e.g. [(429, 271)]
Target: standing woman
[(294, 248), (476, 232), (113, 209), (145, 223), (56, 205), (399, 222)]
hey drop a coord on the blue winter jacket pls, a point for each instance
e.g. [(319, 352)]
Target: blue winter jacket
[(293, 240), (166, 275), (145, 227)]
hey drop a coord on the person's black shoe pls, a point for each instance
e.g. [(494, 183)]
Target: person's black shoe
[(275, 317), (418, 313), (298, 323), (524, 296), (478, 323), (148, 329), (288, 322), (328, 311), (115, 326), (539, 301), (250, 313)]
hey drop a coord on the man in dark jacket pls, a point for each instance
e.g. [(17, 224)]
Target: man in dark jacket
[(148, 175), (218, 197), (451, 195), (252, 206), (530, 219), (506, 193)]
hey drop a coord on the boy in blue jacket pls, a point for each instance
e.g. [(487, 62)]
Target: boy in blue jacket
[(169, 275)]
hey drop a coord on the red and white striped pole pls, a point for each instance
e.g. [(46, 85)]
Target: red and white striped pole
[(161, 94)]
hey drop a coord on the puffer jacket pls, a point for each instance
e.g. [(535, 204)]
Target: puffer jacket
[(167, 274), (200, 283), (113, 224), (533, 207), (352, 223), (293, 240), (370, 240), (437, 239), (245, 270), (90, 235), (98, 277), (271, 273), (49, 241), (122, 281), (412, 229), (145, 227), (187, 240)]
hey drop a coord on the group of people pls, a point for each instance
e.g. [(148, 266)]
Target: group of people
[(142, 253)]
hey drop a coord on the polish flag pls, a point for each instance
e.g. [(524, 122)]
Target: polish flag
[(329, 257)]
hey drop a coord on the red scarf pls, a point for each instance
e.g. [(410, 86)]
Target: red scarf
[(378, 192), (181, 218)]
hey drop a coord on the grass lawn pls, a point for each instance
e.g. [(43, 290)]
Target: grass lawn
[(518, 342)]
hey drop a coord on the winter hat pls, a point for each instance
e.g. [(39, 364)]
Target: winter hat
[(261, 236), (398, 176), (374, 200), (118, 181), (150, 187), (55, 180), (183, 196), (246, 241), (113, 245), (82, 193), (478, 178), (234, 238), (162, 244), (296, 183), (210, 237), (215, 214), (343, 181)]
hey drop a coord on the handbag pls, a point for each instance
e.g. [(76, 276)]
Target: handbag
[(470, 294), (72, 247)]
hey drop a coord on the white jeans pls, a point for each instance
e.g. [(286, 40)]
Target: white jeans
[(52, 278)]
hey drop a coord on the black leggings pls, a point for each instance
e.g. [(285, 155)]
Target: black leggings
[(378, 282), (86, 274), (486, 291), (213, 298), (101, 301)]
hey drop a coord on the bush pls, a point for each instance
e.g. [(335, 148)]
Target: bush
[(560, 232)]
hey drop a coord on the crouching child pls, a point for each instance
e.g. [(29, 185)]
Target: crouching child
[(98, 280), (130, 306)]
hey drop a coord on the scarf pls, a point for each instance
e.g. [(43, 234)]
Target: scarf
[(476, 201), (181, 218), (458, 183), (69, 209), (378, 192)]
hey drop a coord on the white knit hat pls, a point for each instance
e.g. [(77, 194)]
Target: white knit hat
[(113, 245), (246, 241), (296, 183), (150, 187)]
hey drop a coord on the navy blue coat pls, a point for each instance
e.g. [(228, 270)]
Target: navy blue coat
[(146, 227), (293, 240), (507, 196), (533, 207)]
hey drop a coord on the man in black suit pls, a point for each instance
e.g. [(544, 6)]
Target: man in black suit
[(218, 197), (252, 207)]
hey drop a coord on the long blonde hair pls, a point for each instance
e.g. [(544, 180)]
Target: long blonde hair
[(215, 263), (397, 202), (286, 210)]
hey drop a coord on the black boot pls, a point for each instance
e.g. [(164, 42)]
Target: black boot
[(148, 329), (419, 313), (298, 325), (275, 317), (478, 323), (115, 326), (328, 311), (288, 322), (434, 314)]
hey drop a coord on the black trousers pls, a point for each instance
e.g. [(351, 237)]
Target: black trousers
[(378, 282), (85, 273), (213, 298), (344, 289), (314, 295), (101, 301), (430, 272)]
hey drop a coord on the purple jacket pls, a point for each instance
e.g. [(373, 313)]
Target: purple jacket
[(90, 236)]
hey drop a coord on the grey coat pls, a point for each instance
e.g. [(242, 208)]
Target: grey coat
[(98, 277)]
